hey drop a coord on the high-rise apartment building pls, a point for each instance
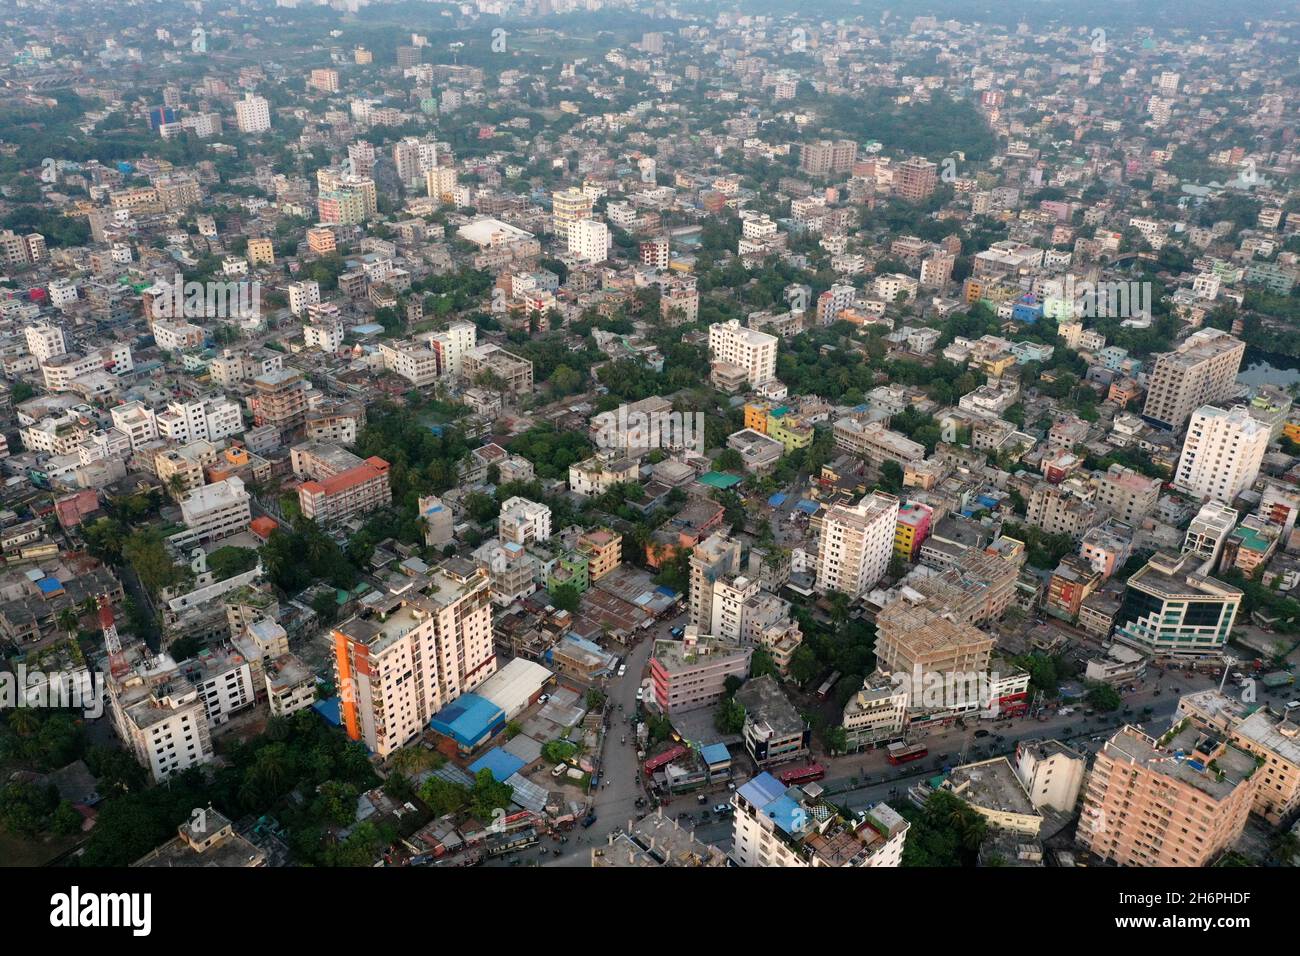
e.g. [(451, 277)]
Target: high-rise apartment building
[(567, 207), (1179, 800), (280, 398), (252, 114), (915, 179), (855, 545), (742, 353), (713, 559), (822, 158), (589, 240), (1222, 453), (409, 655), (1201, 371)]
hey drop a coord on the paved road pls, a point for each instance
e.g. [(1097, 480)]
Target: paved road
[(615, 802), (857, 780)]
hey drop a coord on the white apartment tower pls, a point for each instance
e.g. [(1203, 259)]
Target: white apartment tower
[(589, 240), (855, 545), (45, 341), (252, 114), (753, 352), (1221, 453), (411, 654)]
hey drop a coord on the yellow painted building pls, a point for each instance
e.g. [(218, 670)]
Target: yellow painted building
[(789, 431), (756, 415)]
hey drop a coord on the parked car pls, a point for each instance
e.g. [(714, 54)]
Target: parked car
[(722, 809), (981, 733), (588, 820), (640, 693), (622, 669)]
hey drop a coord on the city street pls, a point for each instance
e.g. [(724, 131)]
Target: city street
[(858, 780)]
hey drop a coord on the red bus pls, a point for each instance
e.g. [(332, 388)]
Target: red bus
[(902, 753), (797, 776)]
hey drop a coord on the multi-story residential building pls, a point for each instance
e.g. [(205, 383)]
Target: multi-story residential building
[(1176, 801), (302, 294), (280, 398), (603, 549), (160, 717), (589, 240), (715, 558), (407, 656), (567, 207), (876, 713), (136, 420), (856, 543), (357, 490), (1126, 494), (915, 179), (692, 673), (779, 826), (1209, 530), (452, 345), (1201, 371), (774, 732), (324, 79), (414, 362), (1171, 609), (512, 571), (1051, 773), (1106, 547), (524, 522), (209, 419), (876, 443), (740, 353), (1221, 453), (729, 597), (822, 158), (1059, 509), (252, 114), (913, 527), (45, 340), (213, 512), (1270, 734)]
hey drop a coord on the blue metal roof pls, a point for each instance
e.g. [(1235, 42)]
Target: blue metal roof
[(715, 753), (777, 500), (469, 720), (501, 764)]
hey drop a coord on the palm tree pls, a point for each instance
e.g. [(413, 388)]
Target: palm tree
[(23, 721), (176, 484), (69, 621)]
